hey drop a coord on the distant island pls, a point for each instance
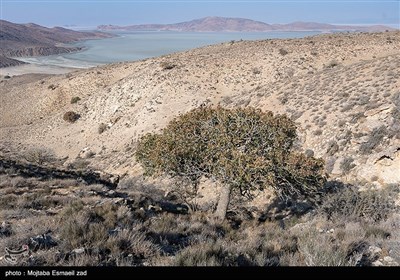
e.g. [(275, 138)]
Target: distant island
[(18, 40), (223, 24)]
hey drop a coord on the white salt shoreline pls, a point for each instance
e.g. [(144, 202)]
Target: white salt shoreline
[(35, 69)]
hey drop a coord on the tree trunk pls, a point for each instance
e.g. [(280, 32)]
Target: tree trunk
[(223, 202)]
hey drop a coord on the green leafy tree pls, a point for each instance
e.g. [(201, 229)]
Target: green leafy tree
[(243, 149)]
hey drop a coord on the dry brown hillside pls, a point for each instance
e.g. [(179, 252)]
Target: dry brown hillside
[(342, 89), (18, 40)]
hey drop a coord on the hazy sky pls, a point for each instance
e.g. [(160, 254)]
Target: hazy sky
[(123, 12)]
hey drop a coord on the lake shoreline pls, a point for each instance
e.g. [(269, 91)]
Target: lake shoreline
[(134, 46), (29, 68)]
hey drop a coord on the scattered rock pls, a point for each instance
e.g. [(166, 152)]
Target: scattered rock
[(174, 208), (40, 242), (78, 251), (111, 193), (376, 111), (389, 261), (114, 231), (374, 252), (119, 201), (87, 153), (359, 250), (5, 229), (61, 191), (332, 148), (377, 263)]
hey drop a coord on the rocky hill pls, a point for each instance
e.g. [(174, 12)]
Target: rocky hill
[(222, 24), (342, 90), (6, 61), (19, 40)]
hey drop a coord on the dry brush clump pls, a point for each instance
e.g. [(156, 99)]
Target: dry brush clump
[(102, 127), (75, 99), (347, 164), (39, 155), (349, 202), (71, 116), (167, 65), (374, 139), (283, 52)]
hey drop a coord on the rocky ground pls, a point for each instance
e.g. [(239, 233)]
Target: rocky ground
[(342, 90), (56, 216)]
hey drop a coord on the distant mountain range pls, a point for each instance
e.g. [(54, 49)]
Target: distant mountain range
[(222, 24), (30, 39)]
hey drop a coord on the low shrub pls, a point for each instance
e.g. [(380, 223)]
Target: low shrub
[(349, 202), (332, 64), (347, 164), (39, 155), (75, 99), (71, 116), (166, 65), (333, 148), (283, 51), (374, 139), (102, 127)]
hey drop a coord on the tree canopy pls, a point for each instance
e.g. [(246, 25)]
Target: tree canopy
[(245, 149)]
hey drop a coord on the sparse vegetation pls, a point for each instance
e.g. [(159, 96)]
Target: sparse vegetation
[(309, 153), (283, 52), (133, 232), (374, 139), (317, 132), (396, 109), (75, 99), (348, 202), (356, 117), (70, 212), (52, 87), (330, 163), (79, 163), (347, 164), (167, 65), (39, 156), (102, 127), (333, 148), (256, 71), (284, 98), (332, 64), (71, 116)]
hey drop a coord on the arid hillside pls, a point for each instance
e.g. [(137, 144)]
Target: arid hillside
[(71, 192), (30, 39), (342, 89), (224, 24)]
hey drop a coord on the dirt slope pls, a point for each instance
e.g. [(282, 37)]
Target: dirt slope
[(342, 89)]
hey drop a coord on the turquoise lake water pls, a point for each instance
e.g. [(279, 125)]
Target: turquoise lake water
[(131, 46)]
